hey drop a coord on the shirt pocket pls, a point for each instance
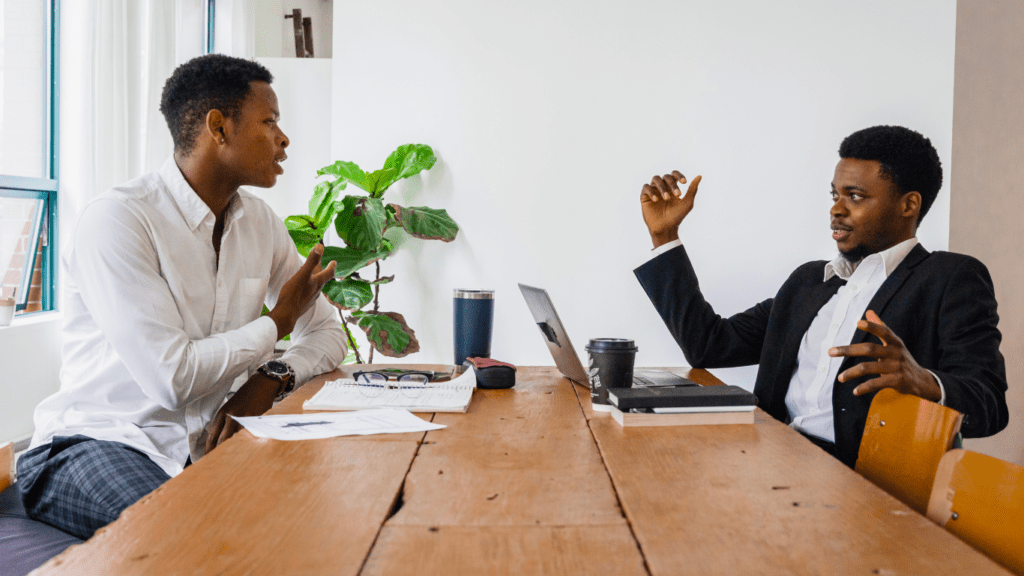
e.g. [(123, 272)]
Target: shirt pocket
[(252, 294)]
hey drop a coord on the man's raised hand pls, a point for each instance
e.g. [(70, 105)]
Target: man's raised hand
[(299, 292), (894, 365), (664, 206)]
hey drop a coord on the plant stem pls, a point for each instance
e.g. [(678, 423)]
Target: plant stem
[(376, 306), (351, 341), (376, 287)]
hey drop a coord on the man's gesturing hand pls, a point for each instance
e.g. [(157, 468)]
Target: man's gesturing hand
[(254, 398), (664, 205), (895, 366), (299, 292)]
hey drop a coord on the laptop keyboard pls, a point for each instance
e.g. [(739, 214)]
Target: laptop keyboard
[(641, 381), (671, 381)]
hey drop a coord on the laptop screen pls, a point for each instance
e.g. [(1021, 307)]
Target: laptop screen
[(555, 336)]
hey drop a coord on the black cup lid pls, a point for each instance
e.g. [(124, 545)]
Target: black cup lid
[(611, 345)]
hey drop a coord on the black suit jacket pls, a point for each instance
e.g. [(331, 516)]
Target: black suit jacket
[(941, 304)]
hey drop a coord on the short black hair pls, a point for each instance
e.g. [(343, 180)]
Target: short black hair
[(209, 82), (907, 159)]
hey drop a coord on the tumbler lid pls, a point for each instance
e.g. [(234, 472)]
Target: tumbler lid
[(611, 345), (474, 294)]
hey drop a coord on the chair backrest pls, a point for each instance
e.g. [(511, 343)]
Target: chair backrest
[(904, 439), (6, 465), (981, 499)]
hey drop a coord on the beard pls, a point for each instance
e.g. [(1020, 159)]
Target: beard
[(857, 253)]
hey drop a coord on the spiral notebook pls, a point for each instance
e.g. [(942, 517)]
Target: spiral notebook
[(347, 394)]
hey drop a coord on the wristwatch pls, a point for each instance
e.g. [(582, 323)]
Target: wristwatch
[(281, 372)]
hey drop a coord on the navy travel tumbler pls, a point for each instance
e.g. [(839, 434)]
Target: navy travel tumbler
[(474, 319)]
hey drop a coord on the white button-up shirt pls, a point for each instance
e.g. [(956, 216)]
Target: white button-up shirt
[(809, 398), (155, 332)]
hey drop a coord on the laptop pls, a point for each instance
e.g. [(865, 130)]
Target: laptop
[(566, 359)]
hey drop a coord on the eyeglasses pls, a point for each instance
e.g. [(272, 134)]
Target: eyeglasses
[(410, 383)]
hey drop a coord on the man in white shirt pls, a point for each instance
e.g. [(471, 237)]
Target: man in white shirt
[(885, 313), (166, 277)]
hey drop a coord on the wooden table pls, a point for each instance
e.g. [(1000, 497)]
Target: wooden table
[(529, 481)]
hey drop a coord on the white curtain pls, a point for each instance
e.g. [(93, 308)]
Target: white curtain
[(235, 31), (115, 57)]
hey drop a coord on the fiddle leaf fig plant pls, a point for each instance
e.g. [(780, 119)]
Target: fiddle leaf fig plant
[(361, 221)]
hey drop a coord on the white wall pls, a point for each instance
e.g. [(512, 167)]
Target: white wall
[(548, 117), (275, 35), (303, 88), (30, 349)]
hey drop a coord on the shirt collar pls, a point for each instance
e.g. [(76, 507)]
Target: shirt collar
[(192, 207), (891, 257)]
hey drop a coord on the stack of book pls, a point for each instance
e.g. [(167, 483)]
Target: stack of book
[(682, 406)]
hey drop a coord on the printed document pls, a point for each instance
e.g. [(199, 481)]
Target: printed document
[(329, 425)]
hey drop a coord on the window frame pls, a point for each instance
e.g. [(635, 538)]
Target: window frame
[(210, 14), (46, 188)]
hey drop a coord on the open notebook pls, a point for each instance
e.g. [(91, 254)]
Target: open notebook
[(347, 394)]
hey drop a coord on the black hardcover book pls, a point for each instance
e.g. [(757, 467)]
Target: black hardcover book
[(682, 397)]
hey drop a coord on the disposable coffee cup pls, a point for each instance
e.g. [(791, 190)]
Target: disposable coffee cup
[(473, 323), (6, 311), (611, 366)]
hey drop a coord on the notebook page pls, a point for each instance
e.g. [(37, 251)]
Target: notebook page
[(347, 394), (350, 396)]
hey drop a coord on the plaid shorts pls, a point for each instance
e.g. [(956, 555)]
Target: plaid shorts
[(80, 485)]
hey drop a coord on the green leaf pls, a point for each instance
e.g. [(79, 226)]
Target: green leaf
[(303, 232), (387, 332), (348, 171), (299, 222), (380, 180), (350, 259), (392, 221), (349, 293), (303, 244), (426, 223), (411, 159), (322, 206), (360, 222)]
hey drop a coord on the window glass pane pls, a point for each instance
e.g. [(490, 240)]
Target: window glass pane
[(23, 88), (21, 232)]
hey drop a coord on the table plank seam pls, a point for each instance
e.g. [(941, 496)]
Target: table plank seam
[(611, 479), (398, 502)]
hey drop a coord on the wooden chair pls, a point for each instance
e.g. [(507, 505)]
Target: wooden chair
[(904, 440), (6, 465), (981, 499)]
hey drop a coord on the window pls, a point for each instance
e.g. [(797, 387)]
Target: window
[(28, 152)]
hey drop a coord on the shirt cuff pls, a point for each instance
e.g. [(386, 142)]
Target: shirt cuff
[(942, 400), (664, 248)]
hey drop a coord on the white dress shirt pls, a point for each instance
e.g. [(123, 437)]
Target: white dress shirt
[(809, 398), (155, 332)]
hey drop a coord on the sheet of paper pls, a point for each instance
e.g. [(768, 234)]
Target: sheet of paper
[(352, 396), (329, 425), (444, 396)]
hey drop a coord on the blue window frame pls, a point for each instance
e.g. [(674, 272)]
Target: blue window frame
[(28, 183), (211, 13)]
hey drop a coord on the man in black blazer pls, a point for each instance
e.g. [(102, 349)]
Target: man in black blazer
[(886, 313)]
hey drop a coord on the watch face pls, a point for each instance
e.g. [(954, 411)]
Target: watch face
[(278, 368)]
